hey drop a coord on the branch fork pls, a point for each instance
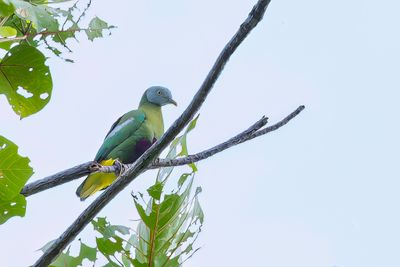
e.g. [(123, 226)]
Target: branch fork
[(147, 160)]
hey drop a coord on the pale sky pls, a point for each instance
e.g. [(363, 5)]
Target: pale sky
[(322, 191)]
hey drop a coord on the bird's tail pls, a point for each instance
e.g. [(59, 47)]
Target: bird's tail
[(96, 181)]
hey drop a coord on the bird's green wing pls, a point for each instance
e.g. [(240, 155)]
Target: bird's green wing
[(124, 128)]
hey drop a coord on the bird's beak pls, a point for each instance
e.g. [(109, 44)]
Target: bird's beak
[(173, 102)]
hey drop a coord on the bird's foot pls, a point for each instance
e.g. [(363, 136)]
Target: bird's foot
[(94, 167), (119, 167)]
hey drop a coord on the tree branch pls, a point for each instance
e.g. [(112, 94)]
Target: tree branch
[(92, 166), (58, 179), (247, 135), (154, 151)]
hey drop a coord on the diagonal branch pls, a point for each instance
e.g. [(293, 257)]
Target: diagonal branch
[(154, 151), (91, 166)]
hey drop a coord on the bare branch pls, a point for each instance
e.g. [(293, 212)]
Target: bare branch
[(154, 151), (92, 166), (249, 134), (57, 179)]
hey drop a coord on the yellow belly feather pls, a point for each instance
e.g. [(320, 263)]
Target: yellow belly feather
[(97, 181)]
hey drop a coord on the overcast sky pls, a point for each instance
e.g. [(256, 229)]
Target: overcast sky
[(322, 191)]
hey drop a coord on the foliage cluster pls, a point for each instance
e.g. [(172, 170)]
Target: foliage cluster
[(27, 29)]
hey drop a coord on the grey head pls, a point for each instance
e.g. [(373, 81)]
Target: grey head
[(159, 96)]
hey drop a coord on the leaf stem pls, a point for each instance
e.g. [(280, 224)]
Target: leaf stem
[(153, 234), (4, 20)]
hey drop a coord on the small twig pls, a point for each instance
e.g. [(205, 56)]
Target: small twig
[(247, 135), (22, 26), (84, 11), (13, 39), (28, 28), (3, 20)]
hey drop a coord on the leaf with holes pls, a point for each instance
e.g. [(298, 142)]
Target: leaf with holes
[(96, 27), (62, 36), (25, 80), (38, 14), (65, 259), (11, 208), (14, 172), (111, 242)]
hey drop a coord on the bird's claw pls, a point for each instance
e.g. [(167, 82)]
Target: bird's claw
[(119, 167), (94, 167)]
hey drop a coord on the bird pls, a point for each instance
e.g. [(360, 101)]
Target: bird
[(129, 137)]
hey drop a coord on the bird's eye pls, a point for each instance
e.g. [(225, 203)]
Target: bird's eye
[(158, 92)]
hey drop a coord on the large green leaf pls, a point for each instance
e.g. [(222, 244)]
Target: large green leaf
[(25, 80), (14, 172)]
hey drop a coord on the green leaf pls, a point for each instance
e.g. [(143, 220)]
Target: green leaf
[(109, 247), (111, 243), (38, 14), (96, 27), (141, 242), (62, 36), (25, 80), (142, 213), (155, 190), (11, 208), (7, 31), (6, 8), (6, 45), (198, 211), (192, 124), (137, 263), (183, 179), (65, 259), (14, 170), (172, 204), (183, 142), (107, 230)]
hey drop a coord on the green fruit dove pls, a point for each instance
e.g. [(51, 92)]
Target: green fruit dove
[(129, 137)]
